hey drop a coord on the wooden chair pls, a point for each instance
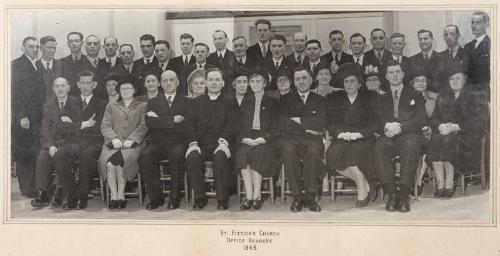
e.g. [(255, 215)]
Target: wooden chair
[(341, 185), (269, 191), (165, 179), (209, 179), (471, 175)]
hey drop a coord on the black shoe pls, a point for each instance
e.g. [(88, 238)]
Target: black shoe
[(113, 204), (404, 204), (364, 202), (122, 204), (155, 204), (420, 189), (297, 204), (222, 205), (247, 204), (199, 204), (69, 204), (82, 204), (448, 192), (173, 203), (257, 203), (375, 190), (312, 205), (56, 199), (439, 193), (392, 203), (41, 200)]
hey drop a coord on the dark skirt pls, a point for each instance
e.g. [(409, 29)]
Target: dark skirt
[(117, 159), (260, 158), (342, 154), (448, 148)]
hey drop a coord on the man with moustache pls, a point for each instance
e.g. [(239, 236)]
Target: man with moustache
[(223, 58), (298, 56), (165, 119), (201, 51), (48, 67), (260, 51), (28, 93), (427, 58), (186, 58)]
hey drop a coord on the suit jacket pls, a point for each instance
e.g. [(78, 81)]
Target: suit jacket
[(227, 66), (53, 131), (312, 115), (255, 52), (100, 73), (70, 71), (345, 58), (186, 71), (163, 128), (439, 78), (405, 66), (269, 67), (291, 59), (135, 77), (48, 78), (373, 60), (359, 116), (90, 135), (315, 71), (139, 69), (250, 64), (269, 112), (204, 116), (176, 64), (429, 67), (478, 63), (107, 66), (411, 111)]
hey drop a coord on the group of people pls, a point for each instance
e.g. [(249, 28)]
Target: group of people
[(251, 111)]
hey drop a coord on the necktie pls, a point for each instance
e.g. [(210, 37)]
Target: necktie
[(379, 56), (84, 104), (337, 59), (240, 61), (357, 60), (313, 68), (147, 62), (201, 66), (277, 65), (264, 51), (95, 63), (426, 57), (162, 66), (450, 54), (475, 43), (185, 60), (49, 69), (303, 98), (299, 59), (61, 106), (395, 97), (169, 101), (220, 58), (398, 60)]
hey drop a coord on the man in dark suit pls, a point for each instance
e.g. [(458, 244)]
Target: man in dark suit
[(397, 41), (53, 133), (186, 58), (378, 54), (148, 61), (165, 119), (162, 53), (427, 59), (127, 69), (277, 63), (223, 59), (313, 52), (357, 43), (402, 114), (210, 128), (336, 55), (73, 61), (451, 57), (243, 61), (92, 63), (28, 93), (85, 147), (111, 59), (201, 51), (303, 120), (260, 51), (298, 56), (48, 67), (477, 54)]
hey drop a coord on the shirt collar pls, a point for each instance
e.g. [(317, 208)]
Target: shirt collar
[(150, 59), (479, 39), (399, 88), (394, 57), (63, 100), (361, 57), (279, 60), (91, 59), (76, 56), (164, 64), (45, 63), (33, 61), (188, 57), (377, 52), (223, 52), (454, 50), (202, 64), (295, 54), (170, 95), (306, 94), (243, 59), (314, 63), (213, 97), (112, 60), (266, 44), (87, 99)]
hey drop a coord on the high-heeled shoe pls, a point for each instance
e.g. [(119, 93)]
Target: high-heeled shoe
[(257, 203), (439, 193), (122, 204), (247, 204), (448, 192), (113, 204)]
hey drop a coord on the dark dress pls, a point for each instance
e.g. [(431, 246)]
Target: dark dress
[(359, 116), (260, 158), (462, 149)]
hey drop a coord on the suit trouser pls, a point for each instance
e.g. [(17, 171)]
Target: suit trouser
[(195, 170), (150, 171), (26, 176), (310, 150), (64, 160), (43, 171), (408, 147)]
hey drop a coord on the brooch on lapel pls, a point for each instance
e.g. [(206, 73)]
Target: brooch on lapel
[(263, 108), (314, 111), (412, 102)]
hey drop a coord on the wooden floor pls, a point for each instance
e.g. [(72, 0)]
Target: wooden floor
[(470, 209)]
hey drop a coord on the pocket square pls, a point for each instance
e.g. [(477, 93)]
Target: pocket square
[(314, 111), (412, 102)]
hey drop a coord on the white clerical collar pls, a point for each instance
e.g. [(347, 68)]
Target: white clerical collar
[(87, 99), (146, 59), (214, 97), (243, 59), (223, 52)]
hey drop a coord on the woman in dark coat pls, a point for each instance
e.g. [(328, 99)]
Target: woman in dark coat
[(458, 122), (352, 123), (257, 131)]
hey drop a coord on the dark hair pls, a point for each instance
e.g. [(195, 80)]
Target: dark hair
[(26, 39), (279, 38), (485, 16), (421, 31), (123, 45), (119, 85), (391, 63), (357, 35), (240, 37), (335, 32), (45, 39), (215, 70), (262, 21), (147, 37), (313, 41), (454, 26), (377, 30), (165, 42), (86, 73), (75, 33), (151, 72), (111, 77), (187, 36), (397, 35), (301, 68), (218, 30), (202, 44)]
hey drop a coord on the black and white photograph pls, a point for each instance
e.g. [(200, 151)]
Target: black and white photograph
[(328, 117)]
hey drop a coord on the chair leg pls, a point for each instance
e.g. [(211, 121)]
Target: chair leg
[(271, 188), (332, 189), (462, 183), (101, 183), (186, 189), (482, 162), (238, 187), (107, 193), (282, 180), (139, 187)]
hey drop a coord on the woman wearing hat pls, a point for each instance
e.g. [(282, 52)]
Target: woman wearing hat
[(197, 83), (152, 85), (123, 128), (257, 131), (458, 123), (372, 79), (352, 123), (111, 81), (240, 86)]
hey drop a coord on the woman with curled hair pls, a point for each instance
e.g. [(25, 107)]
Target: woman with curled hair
[(197, 83)]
